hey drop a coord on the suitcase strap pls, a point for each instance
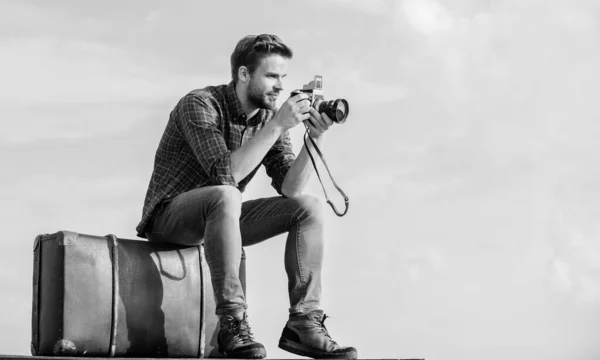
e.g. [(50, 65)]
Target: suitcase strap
[(115, 291)]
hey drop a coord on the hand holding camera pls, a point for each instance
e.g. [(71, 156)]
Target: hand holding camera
[(317, 123), (337, 110), (293, 111)]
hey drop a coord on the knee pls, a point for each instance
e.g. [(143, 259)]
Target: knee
[(310, 208), (228, 199)]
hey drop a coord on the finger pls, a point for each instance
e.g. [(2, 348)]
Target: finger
[(323, 122), (314, 112), (305, 103), (327, 119), (318, 123), (318, 120), (305, 118), (299, 97), (313, 130), (303, 109)]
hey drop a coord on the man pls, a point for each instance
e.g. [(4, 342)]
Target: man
[(214, 142)]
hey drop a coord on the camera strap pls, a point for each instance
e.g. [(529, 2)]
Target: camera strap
[(346, 200)]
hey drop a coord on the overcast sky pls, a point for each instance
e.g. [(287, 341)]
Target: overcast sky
[(470, 158)]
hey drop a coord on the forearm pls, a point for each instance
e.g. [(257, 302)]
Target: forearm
[(300, 172), (249, 156)]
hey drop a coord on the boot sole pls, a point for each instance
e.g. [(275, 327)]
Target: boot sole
[(250, 354), (299, 349)]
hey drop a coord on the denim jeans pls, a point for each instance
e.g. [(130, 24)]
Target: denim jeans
[(217, 216)]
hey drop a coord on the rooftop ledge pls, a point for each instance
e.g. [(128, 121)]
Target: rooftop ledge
[(23, 357)]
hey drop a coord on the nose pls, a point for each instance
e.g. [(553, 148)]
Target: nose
[(279, 84)]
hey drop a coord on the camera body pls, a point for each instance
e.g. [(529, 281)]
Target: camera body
[(314, 89), (337, 110)]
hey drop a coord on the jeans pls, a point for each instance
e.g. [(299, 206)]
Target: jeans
[(217, 216)]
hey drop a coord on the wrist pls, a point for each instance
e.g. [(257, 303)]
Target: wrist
[(317, 137), (274, 127), (314, 141)]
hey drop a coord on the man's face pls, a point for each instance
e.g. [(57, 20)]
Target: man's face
[(266, 83)]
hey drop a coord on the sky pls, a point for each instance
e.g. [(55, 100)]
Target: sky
[(470, 158)]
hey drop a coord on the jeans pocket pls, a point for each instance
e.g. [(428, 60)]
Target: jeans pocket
[(163, 207)]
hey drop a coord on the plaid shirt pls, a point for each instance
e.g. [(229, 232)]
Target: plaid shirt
[(203, 129)]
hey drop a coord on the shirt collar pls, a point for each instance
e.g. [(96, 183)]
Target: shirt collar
[(235, 108)]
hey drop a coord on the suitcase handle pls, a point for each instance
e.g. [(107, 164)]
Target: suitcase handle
[(115, 291), (168, 275)]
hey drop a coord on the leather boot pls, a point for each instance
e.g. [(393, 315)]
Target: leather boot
[(235, 339), (306, 335)]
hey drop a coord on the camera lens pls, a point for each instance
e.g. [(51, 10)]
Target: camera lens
[(341, 110), (337, 110)]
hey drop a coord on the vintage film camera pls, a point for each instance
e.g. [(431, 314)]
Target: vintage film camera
[(337, 109)]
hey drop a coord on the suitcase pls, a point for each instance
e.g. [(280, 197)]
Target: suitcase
[(108, 297)]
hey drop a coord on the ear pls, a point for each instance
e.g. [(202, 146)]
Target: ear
[(243, 73)]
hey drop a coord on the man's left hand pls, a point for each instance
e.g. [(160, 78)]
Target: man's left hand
[(318, 123)]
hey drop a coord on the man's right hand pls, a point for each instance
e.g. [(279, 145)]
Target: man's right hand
[(294, 110)]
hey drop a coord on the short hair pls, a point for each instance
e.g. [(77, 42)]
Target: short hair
[(251, 49)]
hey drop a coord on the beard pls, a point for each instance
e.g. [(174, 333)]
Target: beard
[(260, 98)]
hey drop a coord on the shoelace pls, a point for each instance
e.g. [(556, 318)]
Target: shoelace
[(321, 323), (241, 329)]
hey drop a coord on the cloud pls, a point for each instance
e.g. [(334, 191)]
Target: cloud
[(19, 19), (154, 16), (67, 200), (64, 89), (590, 289), (58, 65), (370, 92), (580, 284), (355, 83), (575, 262), (421, 259), (47, 70), (371, 183), (426, 188), (561, 277), (371, 6), (63, 186), (29, 123), (381, 183), (426, 16)]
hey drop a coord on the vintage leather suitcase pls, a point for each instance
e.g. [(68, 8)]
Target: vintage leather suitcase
[(102, 296)]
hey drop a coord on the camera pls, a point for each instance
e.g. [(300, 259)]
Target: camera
[(337, 109)]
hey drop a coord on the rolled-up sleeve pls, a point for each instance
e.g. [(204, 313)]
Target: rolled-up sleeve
[(199, 124), (278, 160)]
